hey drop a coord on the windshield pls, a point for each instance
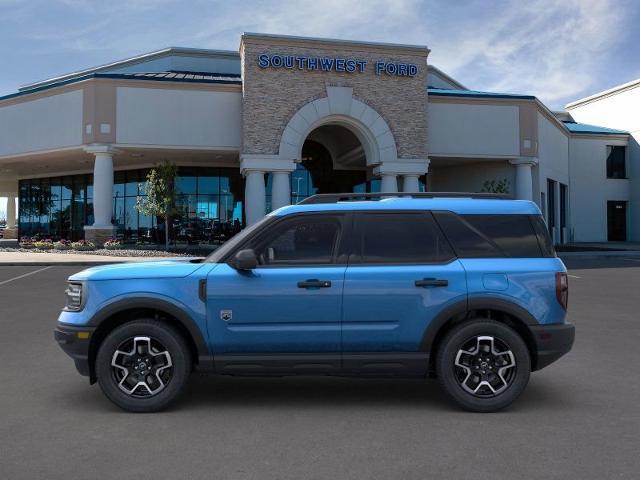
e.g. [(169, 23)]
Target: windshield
[(228, 246)]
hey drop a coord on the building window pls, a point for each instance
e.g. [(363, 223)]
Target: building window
[(563, 211), (551, 205), (54, 207), (616, 161), (209, 204)]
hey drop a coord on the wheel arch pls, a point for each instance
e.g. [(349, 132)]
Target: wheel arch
[(126, 310), (503, 311)]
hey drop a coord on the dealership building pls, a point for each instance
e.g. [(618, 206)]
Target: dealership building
[(287, 117)]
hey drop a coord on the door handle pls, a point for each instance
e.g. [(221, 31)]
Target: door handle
[(313, 283), (432, 282)]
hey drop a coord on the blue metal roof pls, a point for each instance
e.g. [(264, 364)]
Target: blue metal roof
[(575, 127), (444, 92), (459, 205), (173, 76)]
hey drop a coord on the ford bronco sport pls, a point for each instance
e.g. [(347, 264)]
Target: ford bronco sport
[(466, 288)]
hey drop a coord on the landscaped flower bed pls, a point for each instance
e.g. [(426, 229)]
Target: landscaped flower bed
[(113, 244), (62, 245), (43, 244), (26, 242), (83, 245)]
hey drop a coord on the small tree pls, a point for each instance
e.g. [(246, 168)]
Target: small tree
[(160, 193), (495, 186)]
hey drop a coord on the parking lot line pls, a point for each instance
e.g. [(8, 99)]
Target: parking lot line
[(24, 275), (573, 276)]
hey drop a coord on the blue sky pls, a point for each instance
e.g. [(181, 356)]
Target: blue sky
[(557, 50)]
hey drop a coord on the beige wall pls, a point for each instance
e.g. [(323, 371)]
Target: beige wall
[(272, 96), (50, 122), (461, 129), (168, 117)]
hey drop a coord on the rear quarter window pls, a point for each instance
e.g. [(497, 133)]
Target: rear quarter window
[(491, 236)]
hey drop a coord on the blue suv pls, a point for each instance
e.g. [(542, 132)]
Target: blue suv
[(466, 288)]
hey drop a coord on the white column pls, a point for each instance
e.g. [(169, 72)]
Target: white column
[(389, 183), (254, 196), (11, 211), (524, 177), (410, 183), (103, 189), (280, 190)]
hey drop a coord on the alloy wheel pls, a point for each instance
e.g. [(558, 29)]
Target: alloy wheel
[(485, 366), (141, 366)]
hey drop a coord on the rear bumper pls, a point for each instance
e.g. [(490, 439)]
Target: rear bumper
[(75, 343), (552, 342)]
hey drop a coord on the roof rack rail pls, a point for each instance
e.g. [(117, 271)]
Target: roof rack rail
[(341, 197)]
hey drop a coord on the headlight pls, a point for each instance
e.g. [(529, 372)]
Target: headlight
[(74, 297)]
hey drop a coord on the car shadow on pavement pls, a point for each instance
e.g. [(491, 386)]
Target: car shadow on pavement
[(219, 392), (321, 392)]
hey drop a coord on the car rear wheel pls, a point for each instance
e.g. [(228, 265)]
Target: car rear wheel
[(143, 365), (483, 365)]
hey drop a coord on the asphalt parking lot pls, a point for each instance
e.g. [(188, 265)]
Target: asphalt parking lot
[(578, 419)]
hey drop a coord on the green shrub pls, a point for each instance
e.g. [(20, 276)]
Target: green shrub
[(83, 245)]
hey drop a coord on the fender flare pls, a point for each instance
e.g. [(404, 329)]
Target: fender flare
[(463, 307), (205, 360)]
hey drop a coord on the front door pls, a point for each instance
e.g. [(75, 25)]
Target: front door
[(617, 221), (401, 274), (290, 304)]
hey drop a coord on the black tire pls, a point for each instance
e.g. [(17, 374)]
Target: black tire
[(165, 345), (459, 381)]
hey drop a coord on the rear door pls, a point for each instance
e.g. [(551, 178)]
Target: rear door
[(402, 272)]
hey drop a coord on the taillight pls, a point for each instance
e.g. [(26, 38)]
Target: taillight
[(562, 289)]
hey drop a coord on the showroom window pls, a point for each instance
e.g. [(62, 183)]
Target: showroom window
[(209, 207)]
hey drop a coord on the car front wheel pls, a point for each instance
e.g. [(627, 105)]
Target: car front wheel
[(483, 365), (143, 365)]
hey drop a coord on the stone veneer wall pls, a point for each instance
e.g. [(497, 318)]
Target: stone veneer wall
[(271, 96)]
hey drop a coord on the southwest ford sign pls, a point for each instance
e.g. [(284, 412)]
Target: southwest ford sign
[(331, 64)]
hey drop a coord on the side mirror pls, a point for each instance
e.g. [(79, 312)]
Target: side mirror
[(245, 260)]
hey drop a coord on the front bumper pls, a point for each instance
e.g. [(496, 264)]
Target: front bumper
[(552, 342), (75, 343)]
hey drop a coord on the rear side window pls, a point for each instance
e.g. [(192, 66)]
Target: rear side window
[(491, 236), (399, 238)]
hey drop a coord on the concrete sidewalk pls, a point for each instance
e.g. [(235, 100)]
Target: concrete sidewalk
[(72, 259), (79, 259)]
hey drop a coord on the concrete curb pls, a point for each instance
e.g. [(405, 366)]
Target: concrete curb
[(615, 253), (58, 264)]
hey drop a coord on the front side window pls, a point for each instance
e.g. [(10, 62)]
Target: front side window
[(301, 240), (399, 238), (616, 161)]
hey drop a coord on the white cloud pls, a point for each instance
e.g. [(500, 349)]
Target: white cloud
[(555, 49), (548, 48)]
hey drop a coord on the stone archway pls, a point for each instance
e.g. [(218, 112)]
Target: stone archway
[(340, 108)]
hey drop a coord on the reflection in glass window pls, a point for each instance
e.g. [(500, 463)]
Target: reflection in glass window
[(210, 207), (187, 184)]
